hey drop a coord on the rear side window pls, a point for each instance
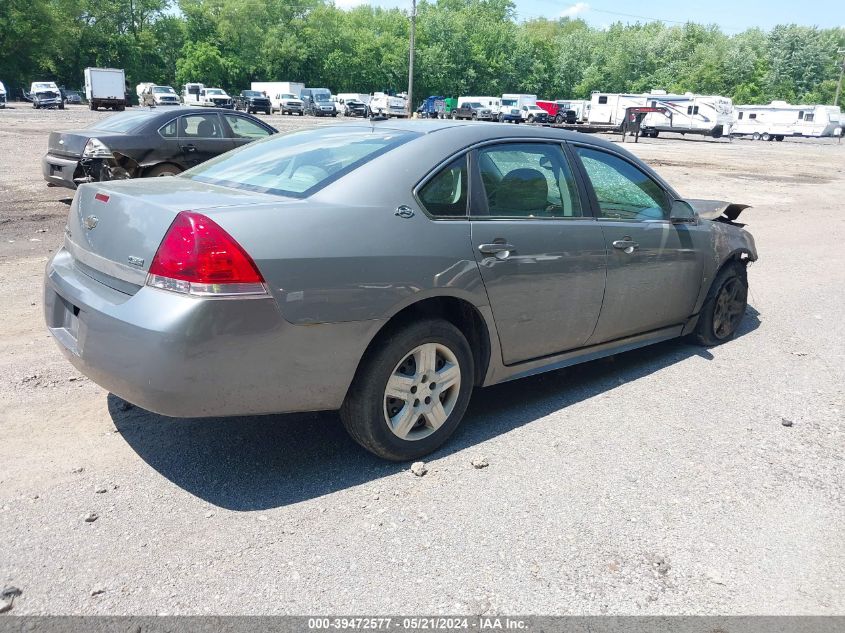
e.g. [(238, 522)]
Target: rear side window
[(623, 191), (445, 195), (528, 180), (602, 100), (200, 126), (301, 163), (168, 130)]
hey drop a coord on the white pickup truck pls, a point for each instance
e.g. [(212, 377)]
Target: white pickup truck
[(45, 94)]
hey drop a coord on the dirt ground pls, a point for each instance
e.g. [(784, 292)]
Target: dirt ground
[(663, 481)]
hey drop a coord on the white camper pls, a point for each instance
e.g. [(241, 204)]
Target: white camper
[(105, 88), (689, 113), (2, 95), (494, 104), (609, 108), (780, 119)]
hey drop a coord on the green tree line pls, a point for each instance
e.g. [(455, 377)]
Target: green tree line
[(463, 47)]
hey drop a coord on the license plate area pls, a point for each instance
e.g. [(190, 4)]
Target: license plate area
[(65, 324)]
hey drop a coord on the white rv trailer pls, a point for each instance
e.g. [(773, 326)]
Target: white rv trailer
[(690, 113), (780, 119), (494, 104), (609, 108), (711, 115)]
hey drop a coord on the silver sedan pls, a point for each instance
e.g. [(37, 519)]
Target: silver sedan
[(385, 269)]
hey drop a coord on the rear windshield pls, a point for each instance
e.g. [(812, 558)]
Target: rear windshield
[(125, 122), (301, 163)]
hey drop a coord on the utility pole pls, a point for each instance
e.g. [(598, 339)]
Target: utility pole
[(411, 58), (840, 51)]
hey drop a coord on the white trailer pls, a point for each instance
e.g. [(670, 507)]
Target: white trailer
[(689, 113), (780, 119), (105, 88), (494, 104), (609, 108), (2, 95), (191, 93)]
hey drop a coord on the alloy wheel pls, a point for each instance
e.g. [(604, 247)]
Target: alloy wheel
[(422, 391), (730, 306)]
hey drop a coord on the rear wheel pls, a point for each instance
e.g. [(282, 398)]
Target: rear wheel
[(411, 391), (165, 169), (779, 137), (724, 307), (755, 136), (766, 136)]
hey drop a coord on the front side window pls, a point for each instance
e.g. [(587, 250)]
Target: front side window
[(301, 163), (445, 195), (623, 191), (528, 180), (244, 128), (200, 126), (740, 114)]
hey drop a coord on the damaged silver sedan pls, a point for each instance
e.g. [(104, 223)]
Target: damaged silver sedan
[(293, 275), (146, 143)]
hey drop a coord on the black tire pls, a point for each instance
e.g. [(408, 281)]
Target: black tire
[(766, 136), (165, 169), (712, 328), (779, 138), (61, 105), (531, 118), (363, 411)]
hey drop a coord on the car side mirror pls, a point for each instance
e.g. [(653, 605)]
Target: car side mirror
[(682, 213)]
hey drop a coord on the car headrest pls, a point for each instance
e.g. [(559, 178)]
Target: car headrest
[(206, 129), (522, 190)]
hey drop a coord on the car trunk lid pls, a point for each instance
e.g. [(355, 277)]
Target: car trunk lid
[(68, 143), (114, 228)]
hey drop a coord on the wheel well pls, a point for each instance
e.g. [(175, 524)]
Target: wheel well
[(149, 168), (460, 313)]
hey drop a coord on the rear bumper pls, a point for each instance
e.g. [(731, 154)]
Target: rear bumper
[(187, 357), (61, 172)]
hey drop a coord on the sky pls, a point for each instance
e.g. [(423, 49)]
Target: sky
[(732, 16)]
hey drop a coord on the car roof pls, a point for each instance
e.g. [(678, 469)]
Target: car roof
[(476, 131)]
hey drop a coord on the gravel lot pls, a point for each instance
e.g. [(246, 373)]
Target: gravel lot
[(662, 481)]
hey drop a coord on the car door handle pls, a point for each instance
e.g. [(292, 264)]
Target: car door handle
[(189, 148), (627, 244), (500, 250)]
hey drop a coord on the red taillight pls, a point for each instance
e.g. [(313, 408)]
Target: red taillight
[(196, 256)]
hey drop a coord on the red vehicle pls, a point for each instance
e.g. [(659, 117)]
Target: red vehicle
[(549, 106)]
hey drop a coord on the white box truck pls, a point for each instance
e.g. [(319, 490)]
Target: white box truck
[(283, 95), (105, 88), (2, 95)]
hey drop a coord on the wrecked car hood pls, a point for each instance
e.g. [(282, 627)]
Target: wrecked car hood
[(715, 209)]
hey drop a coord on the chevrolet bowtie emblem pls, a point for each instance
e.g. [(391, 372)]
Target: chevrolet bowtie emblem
[(90, 221)]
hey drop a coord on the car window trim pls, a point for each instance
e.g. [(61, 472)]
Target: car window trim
[(484, 209), (169, 138), (671, 197)]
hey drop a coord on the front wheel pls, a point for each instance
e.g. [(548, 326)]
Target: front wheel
[(531, 118), (724, 307), (165, 169), (411, 391)]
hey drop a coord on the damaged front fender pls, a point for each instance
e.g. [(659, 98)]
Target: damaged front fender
[(718, 210)]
